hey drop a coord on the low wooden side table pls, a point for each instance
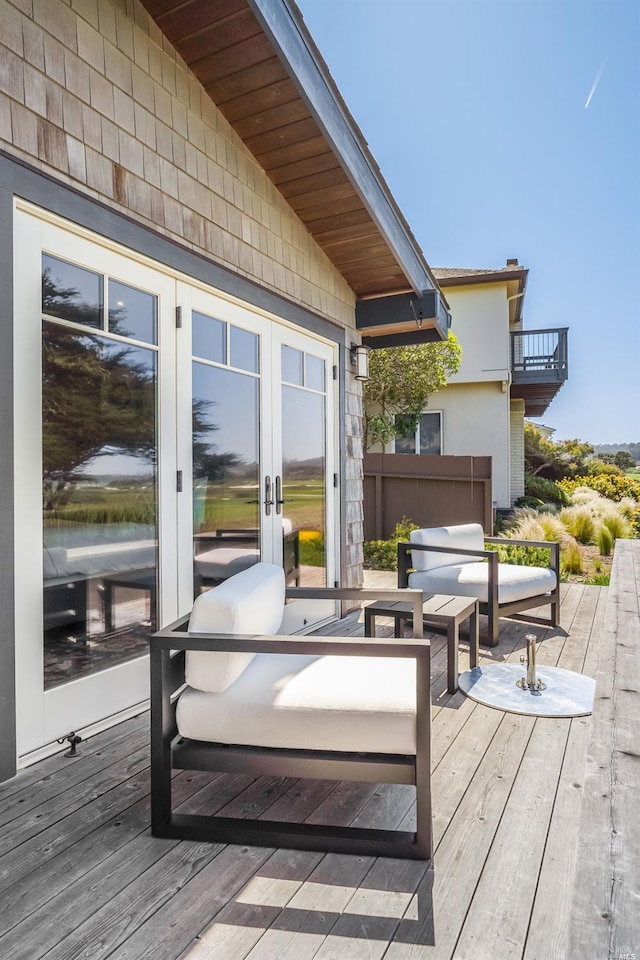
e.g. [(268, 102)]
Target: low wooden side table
[(439, 610)]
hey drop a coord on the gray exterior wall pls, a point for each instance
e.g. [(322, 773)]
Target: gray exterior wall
[(7, 631)]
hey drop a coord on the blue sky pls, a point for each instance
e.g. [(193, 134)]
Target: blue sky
[(475, 113)]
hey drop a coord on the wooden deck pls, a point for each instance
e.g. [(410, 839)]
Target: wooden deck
[(80, 875)]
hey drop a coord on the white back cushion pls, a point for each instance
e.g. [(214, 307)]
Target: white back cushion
[(251, 602), (468, 536)]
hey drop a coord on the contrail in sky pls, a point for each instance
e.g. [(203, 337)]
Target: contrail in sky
[(595, 85)]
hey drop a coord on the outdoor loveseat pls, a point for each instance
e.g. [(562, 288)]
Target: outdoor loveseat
[(454, 560), (230, 694)]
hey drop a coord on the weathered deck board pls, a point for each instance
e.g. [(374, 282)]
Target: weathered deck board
[(498, 919), (605, 914), (548, 933), (81, 876)]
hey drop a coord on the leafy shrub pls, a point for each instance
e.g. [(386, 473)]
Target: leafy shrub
[(635, 523), (547, 491), (596, 467), (531, 502), (612, 487), (599, 580), (548, 508), (383, 554), (521, 556), (380, 555)]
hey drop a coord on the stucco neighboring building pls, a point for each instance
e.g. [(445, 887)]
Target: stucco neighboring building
[(190, 220), (506, 373)]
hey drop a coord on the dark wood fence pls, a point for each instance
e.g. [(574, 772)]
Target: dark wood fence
[(432, 491)]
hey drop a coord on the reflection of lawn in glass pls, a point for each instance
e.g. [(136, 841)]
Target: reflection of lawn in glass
[(305, 503), (226, 507), (133, 503)]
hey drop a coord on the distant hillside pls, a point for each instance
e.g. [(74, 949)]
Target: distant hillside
[(632, 448)]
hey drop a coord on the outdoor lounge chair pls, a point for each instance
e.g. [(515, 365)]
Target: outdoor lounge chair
[(341, 708), (225, 552), (453, 560)]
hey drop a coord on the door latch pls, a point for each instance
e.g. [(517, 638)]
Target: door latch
[(268, 499)]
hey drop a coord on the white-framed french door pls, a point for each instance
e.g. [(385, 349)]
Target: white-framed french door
[(166, 436), (259, 399), (304, 465), (95, 468)]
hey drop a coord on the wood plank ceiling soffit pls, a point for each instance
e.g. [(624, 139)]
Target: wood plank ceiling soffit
[(230, 49)]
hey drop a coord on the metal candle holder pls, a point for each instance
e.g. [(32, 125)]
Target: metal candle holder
[(530, 682)]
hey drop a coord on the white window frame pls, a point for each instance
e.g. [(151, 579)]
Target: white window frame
[(416, 449)]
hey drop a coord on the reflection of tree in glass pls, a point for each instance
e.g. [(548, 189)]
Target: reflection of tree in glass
[(207, 463), (66, 302), (117, 322), (98, 399)]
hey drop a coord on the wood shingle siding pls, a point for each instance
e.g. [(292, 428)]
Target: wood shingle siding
[(225, 46), (101, 99)]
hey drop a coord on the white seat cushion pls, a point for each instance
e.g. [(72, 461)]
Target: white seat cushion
[(222, 562), (252, 602), (99, 558), (466, 536), (470, 580), (311, 703)]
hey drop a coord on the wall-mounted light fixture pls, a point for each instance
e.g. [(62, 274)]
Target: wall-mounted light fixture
[(359, 355)]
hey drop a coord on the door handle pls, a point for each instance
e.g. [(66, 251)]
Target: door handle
[(279, 501), (268, 499)]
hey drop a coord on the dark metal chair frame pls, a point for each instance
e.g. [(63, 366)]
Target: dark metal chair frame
[(170, 751), (492, 609)]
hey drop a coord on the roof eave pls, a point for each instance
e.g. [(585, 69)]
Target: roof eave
[(284, 26)]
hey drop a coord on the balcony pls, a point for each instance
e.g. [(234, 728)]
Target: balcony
[(539, 367)]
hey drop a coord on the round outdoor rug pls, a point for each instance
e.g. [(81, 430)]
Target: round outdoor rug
[(567, 694)]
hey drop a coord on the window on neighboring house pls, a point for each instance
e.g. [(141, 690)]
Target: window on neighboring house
[(428, 436)]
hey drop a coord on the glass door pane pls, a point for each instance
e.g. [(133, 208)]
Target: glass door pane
[(226, 450), (304, 467), (100, 528)]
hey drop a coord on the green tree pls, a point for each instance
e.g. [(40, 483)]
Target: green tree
[(545, 458), (624, 460), (401, 380)]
